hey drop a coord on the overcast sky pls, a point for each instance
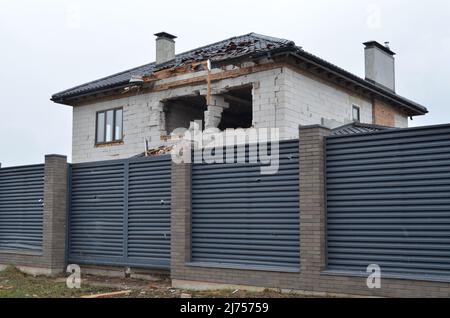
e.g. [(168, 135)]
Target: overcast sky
[(47, 46)]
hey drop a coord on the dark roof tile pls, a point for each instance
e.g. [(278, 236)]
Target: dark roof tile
[(357, 128), (231, 48), (248, 45)]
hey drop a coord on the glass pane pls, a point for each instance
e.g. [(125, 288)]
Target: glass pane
[(355, 113), (118, 128), (109, 125), (101, 127)]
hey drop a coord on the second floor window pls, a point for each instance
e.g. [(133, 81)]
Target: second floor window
[(109, 126), (356, 113)]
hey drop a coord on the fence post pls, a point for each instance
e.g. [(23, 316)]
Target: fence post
[(180, 217), (312, 202), (55, 206)]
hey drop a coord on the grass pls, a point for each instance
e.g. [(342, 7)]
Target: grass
[(15, 284)]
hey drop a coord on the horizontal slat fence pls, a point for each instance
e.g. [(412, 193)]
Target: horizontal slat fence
[(388, 201), (243, 218), (21, 208), (120, 212)]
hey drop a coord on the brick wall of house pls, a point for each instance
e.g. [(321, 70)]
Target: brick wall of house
[(308, 100), (143, 116), (283, 98), (386, 115)]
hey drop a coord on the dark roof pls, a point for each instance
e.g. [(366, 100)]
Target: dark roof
[(246, 46), (372, 44), (165, 35), (357, 128), (232, 48)]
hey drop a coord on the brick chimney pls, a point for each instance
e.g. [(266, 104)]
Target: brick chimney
[(165, 47), (380, 64)]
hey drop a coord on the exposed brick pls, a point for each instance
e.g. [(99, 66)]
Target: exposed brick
[(386, 115)]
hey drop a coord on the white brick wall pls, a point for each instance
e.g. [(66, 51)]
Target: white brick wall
[(142, 117), (282, 98), (401, 121), (307, 100)]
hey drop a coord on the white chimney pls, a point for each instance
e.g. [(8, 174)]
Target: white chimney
[(165, 47), (380, 64)]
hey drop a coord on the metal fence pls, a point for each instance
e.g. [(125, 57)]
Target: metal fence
[(245, 219), (120, 212), (388, 201), (21, 208)]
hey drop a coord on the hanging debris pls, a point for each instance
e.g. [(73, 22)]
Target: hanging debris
[(158, 151)]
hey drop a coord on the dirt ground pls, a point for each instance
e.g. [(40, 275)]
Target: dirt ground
[(15, 284)]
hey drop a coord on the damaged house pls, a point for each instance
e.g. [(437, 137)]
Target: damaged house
[(245, 81)]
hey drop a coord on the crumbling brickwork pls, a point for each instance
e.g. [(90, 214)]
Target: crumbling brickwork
[(143, 117)]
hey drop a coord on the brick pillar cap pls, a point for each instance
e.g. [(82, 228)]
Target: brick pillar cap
[(313, 126), (57, 156)]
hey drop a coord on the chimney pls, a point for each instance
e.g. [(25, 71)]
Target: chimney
[(380, 64), (165, 47)]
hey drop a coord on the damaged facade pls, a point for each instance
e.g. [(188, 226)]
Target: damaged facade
[(246, 81)]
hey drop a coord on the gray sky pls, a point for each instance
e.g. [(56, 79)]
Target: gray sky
[(47, 46)]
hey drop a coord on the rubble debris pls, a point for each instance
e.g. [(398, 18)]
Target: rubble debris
[(106, 295), (158, 151)]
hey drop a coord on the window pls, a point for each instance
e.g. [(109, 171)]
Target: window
[(356, 113), (109, 126)]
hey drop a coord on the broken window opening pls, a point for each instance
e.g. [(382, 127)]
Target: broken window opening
[(239, 114), (180, 112)]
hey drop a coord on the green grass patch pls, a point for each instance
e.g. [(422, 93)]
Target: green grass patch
[(15, 284)]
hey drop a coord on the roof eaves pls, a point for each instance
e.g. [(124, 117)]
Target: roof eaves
[(413, 106)]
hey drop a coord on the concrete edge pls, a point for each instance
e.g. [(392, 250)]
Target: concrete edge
[(301, 127), (36, 271), (122, 272), (203, 286)]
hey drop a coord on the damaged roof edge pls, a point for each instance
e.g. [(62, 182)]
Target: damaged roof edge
[(273, 47)]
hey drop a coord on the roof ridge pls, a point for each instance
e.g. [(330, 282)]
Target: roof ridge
[(272, 38), (215, 43)]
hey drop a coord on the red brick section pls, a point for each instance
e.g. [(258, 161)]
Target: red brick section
[(383, 114), (312, 276), (52, 259)]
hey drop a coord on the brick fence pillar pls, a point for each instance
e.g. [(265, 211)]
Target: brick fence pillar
[(312, 202), (55, 206), (180, 218)]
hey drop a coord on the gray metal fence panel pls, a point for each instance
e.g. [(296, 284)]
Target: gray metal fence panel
[(120, 212), (243, 218), (21, 208), (149, 211), (97, 215), (388, 201)]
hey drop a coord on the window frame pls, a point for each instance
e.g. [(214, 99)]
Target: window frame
[(114, 140), (359, 113)]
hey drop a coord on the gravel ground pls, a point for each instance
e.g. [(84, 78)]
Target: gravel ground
[(15, 284)]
